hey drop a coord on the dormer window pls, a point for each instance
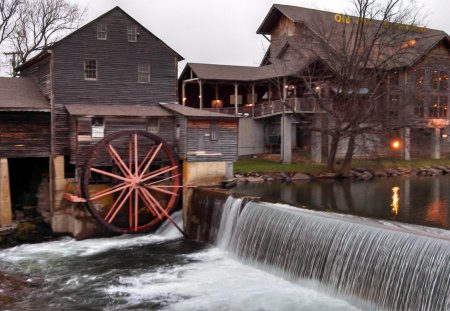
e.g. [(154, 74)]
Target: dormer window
[(102, 32), (132, 33)]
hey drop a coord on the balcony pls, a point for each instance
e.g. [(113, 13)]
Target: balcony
[(292, 105)]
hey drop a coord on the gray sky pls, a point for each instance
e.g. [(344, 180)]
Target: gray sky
[(224, 31)]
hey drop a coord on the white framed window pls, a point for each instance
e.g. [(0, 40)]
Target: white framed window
[(132, 33), (98, 127), (144, 73), (153, 126), (90, 69), (102, 32)]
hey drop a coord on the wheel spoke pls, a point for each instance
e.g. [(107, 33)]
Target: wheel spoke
[(147, 156), (136, 155), (116, 202), (158, 206), (93, 169), (159, 172), (149, 203), (109, 191), (161, 180), (119, 207), (136, 208), (118, 159), (151, 160)]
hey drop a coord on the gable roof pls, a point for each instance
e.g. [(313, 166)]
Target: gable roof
[(21, 94), (320, 22), (117, 8)]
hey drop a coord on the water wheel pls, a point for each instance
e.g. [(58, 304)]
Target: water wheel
[(131, 181)]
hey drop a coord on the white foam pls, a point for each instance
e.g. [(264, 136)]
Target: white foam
[(215, 282)]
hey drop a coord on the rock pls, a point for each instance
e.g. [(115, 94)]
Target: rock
[(300, 176), (329, 175), (254, 179), (381, 174)]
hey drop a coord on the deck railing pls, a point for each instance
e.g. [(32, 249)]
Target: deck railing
[(298, 105)]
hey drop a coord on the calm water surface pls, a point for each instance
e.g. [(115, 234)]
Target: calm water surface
[(415, 200)]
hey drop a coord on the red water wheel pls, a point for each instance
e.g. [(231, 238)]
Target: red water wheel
[(131, 181)]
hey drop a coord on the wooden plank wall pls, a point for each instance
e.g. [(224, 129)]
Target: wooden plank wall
[(24, 134), (117, 61), (198, 139), (82, 149)]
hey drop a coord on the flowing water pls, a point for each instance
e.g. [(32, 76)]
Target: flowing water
[(158, 271), (266, 257)]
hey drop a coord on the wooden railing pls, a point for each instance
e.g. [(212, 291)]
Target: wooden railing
[(300, 105)]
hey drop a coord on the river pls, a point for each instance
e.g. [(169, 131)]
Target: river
[(163, 271)]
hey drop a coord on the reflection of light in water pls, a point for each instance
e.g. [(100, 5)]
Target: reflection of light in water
[(436, 213), (395, 200)]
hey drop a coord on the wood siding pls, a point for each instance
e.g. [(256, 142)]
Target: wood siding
[(117, 71), (199, 139), (83, 141), (24, 134), (40, 73)]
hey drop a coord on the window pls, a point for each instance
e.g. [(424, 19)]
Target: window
[(394, 78), (98, 127), (144, 73), (102, 32), (90, 69), (153, 126), (419, 109), (420, 78), (213, 131), (394, 106), (439, 80), (438, 108), (132, 33)]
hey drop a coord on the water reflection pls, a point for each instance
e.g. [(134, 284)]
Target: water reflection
[(419, 200), (395, 200)]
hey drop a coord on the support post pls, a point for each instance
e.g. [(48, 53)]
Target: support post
[(200, 96), (437, 144), (407, 143), (183, 94), (236, 86), (316, 141), (253, 100), (286, 139), (5, 194)]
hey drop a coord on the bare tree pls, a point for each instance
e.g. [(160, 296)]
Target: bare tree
[(363, 51), (42, 22)]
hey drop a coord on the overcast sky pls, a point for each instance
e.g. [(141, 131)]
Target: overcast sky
[(224, 31)]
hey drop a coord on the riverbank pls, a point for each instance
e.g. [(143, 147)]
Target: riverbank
[(268, 169), (26, 231)]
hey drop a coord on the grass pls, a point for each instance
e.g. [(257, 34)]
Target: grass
[(267, 165)]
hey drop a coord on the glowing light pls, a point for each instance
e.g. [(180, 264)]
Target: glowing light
[(395, 200), (395, 144)]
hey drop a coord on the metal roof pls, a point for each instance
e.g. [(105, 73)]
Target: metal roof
[(245, 73), (193, 112), (21, 94), (116, 110)]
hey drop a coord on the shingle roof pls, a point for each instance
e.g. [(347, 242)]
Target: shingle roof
[(124, 110), (245, 73), (193, 112), (21, 94), (323, 23)]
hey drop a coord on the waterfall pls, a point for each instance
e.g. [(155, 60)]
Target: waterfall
[(394, 269)]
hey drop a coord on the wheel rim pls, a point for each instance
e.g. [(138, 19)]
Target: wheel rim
[(131, 181)]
